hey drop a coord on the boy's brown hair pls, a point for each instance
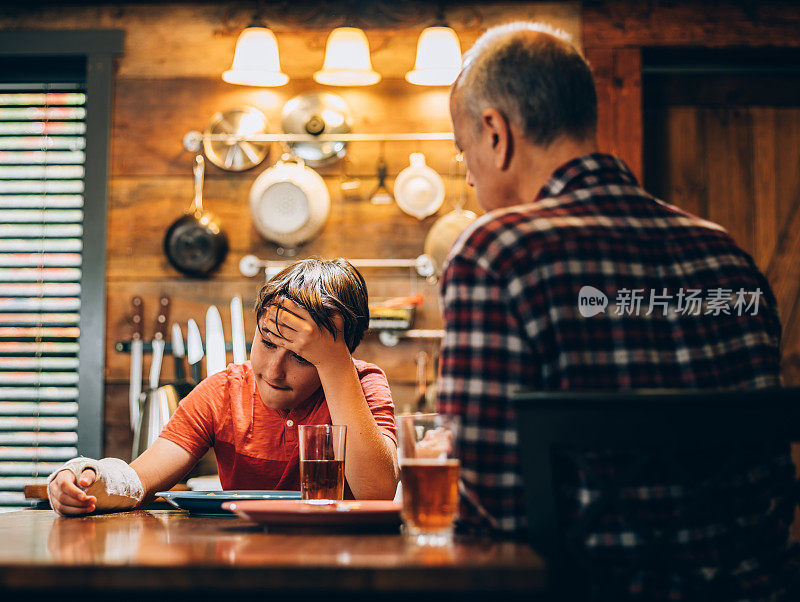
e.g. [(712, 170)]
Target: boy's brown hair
[(323, 287)]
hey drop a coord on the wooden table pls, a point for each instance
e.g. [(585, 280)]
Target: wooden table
[(149, 554)]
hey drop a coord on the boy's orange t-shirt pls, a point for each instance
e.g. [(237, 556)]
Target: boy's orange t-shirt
[(256, 446)]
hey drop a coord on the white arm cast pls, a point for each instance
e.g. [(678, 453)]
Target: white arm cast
[(117, 486)]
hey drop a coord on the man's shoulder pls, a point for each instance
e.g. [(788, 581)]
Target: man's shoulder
[(501, 234)]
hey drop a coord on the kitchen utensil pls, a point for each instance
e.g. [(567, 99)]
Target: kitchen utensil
[(178, 351), (157, 406), (195, 244), (448, 228), (206, 483), (159, 343), (420, 396), (237, 331), (215, 342), (381, 194), (317, 113), (136, 361), (418, 190), (233, 153), (209, 503), (443, 235), (194, 349), (181, 384), (289, 202), (349, 184), (319, 513)]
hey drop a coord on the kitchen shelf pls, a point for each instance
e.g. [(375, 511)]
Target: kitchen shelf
[(390, 338), (250, 265)]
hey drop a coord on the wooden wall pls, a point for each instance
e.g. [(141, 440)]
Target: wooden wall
[(168, 83), (734, 163)]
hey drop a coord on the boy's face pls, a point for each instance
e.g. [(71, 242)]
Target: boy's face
[(284, 380)]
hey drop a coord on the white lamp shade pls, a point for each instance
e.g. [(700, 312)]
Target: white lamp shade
[(255, 61), (347, 61), (438, 58)]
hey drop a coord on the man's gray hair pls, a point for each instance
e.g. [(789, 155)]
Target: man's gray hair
[(534, 75)]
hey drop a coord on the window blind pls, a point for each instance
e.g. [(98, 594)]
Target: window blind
[(42, 157)]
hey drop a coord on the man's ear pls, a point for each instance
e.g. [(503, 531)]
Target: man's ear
[(497, 128)]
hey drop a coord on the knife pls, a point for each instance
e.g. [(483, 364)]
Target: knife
[(194, 351), (136, 361), (159, 342), (178, 351), (237, 331), (215, 342)]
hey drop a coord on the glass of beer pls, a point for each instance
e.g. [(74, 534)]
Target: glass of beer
[(322, 461), (429, 475)]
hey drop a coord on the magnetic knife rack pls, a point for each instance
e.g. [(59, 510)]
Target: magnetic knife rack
[(147, 347)]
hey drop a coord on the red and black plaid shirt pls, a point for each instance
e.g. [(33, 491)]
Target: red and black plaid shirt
[(686, 308)]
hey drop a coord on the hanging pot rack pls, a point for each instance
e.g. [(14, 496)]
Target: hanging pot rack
[(193, 140)]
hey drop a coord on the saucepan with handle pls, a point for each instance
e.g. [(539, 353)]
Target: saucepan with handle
[(196, 244)]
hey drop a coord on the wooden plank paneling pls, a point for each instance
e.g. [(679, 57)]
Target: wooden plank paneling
[(618, 23), (765, 182), (729, 167), (685, 160), (618, 79), (188, 39)]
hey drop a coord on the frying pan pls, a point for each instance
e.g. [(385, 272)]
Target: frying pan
[(195, 244)]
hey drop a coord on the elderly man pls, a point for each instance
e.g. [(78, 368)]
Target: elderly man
[(576, 278)]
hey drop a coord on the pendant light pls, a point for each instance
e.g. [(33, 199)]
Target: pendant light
[(255, 61), (438, 58), (347, 61)]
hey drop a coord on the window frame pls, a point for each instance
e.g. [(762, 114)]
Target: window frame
[(98, 47)]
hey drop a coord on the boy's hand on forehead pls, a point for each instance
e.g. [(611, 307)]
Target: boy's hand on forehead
[(292, 327)]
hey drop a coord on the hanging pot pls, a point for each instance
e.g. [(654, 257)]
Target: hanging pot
[(234, 152), (317, 113), (289, 202), (443, 235), (195, 244), (419, 190), (445, 231)]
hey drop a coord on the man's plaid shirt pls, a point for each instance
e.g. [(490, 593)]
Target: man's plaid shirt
[(686, 308)]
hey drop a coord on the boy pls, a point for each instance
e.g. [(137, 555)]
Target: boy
[(310, 317)]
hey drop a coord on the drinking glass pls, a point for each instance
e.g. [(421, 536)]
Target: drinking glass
[(429, 475), (322, 461)]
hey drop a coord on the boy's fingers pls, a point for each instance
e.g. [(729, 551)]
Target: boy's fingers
[(295, 308), (274, 337), (65, 482), (70, 488), (67, 509), (282, 321), (88, 477), (69, 499)]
